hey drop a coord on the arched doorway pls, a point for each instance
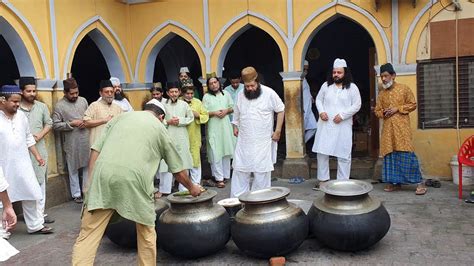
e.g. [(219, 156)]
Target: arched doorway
[(8, 68), (89, 68), (343, 38), (177, 53), (254, 47)]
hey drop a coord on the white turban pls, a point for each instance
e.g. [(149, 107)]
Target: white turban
[(115, 81), (157, 103), (339, 63)]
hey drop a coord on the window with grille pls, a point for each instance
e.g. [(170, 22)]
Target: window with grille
[(436, 82)]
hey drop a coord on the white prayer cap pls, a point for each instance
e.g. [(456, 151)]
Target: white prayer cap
[(115, 81), (157, 103), (306, 63), (339, 63), (184, 70)]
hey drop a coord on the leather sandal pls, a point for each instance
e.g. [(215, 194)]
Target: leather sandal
[(392, 187), (421, 190), (43, 231)]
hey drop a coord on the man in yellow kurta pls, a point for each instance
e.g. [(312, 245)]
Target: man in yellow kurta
[(201, 116), (394, 104), (101, 111)]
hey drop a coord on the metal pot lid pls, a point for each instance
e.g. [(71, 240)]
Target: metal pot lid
[(264, 195), (229, 202), (205, 196), (346, 187)]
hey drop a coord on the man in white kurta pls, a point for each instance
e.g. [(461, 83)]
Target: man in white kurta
[(178, 116), (16, 142), (7, 219), (337, 101), (253, 127), (120, 97), (310, 123)]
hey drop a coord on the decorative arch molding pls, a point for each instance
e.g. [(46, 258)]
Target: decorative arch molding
[(416, 27), (236, 30), (103, 43), (22, 57), (380, 33), (17, 51), (149, 60)]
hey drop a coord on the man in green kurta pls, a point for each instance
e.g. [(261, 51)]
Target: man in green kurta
[(201, 117), (40, 123), (178, 116), (220, 136), (123, 162)]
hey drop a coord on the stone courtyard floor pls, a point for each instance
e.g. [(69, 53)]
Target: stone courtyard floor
[(435, 229)]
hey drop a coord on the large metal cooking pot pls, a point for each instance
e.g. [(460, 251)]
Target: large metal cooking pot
[(193, 226), (346, 217), (123, 232), (269, 225)]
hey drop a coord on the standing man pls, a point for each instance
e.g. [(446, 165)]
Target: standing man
[(256, 140), (122, 181), (16, 141), (8, 221), (234, 88), (337, 101), (220, 141), (178, 116), (201, 116), (68, 119), (40, 124), (394, 104), (120, 97), (101, 111), (310, 123)]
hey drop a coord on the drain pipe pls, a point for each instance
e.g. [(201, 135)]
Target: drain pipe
[(458, 133)]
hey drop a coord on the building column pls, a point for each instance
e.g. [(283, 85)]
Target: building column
[(296, 163)]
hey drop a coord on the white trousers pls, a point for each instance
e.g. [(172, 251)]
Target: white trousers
[(241, 182), (34, 219), (221, 169), (343, 167), (74, 180), (42, 201), (166, 182), (195, 175), (308, 134)]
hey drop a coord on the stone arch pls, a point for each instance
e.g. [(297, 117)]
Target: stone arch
[(327, 14), (107, 42), (238, 25), (415, 30), (158, 38), (24, 43)]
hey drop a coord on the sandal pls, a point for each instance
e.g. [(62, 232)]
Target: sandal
[(43, 231), (318, 185), (391, 187), (208, 183), (421, 190), (221, 184)]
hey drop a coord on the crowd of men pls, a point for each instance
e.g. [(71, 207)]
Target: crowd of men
[(118, 152)]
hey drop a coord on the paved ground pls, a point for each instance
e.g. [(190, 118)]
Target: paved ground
[(433, 229)]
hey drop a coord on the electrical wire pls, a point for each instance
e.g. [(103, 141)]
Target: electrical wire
[(446, 7)]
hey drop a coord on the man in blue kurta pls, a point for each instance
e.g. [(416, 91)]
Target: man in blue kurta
[(123, 163)]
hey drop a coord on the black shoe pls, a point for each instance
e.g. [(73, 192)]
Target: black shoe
[(471, 198), (48, 220)]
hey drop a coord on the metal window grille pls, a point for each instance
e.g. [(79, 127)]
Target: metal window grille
[(436, 82)]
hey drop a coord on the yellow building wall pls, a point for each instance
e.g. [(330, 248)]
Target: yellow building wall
[(132, 24)]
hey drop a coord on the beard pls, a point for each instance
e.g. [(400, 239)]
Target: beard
[(388, 84), (108, 100), (119, 96), (250, 95), (337, 80), (29, 99)]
